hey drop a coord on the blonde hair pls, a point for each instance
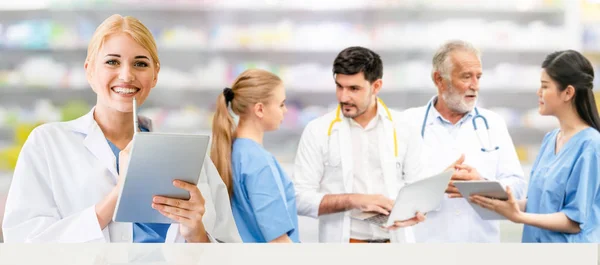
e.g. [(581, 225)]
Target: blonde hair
[(119, 24), (251, 87)]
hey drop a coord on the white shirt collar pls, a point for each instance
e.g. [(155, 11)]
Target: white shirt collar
[(434, 115)]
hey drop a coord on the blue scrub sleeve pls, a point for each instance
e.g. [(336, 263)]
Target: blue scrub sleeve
[(269, 207), (582, 187)]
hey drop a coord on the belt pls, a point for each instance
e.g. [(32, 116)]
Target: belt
[(353, 240)]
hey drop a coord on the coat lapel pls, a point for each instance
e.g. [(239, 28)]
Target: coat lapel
[(389, 163), (95, 141), (346, 154)]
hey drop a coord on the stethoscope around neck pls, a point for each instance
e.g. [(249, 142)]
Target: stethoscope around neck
[(339, 119), (474, 121)]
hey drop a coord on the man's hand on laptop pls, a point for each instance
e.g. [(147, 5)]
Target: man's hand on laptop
[(419, 217), (372, 203)]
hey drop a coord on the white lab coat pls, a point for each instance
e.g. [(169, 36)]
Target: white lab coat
[(65, 168), (323, 165), (455, 220)]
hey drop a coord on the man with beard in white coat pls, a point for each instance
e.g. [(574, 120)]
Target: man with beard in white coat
[(450, 124)]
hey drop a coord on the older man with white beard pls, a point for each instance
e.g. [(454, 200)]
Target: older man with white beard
[(451, 125)]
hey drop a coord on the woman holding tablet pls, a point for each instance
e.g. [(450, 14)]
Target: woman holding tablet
[(563, 200), (68, 175), (263, 197)]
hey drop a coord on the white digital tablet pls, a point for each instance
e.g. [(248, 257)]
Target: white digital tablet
[(490, 189), (156, 160), (422, 196)]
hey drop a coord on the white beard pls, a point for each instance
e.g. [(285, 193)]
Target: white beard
[(456, 101)]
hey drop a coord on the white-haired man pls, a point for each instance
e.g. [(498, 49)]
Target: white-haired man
[(451, 125)]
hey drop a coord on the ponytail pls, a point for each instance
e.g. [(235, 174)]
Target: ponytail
[(586, 107), (250, 87), (222, 142)]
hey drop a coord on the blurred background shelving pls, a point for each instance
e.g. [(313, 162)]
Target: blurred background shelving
[(204, 45)]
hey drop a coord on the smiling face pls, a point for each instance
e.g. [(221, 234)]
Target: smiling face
[(122, 69)]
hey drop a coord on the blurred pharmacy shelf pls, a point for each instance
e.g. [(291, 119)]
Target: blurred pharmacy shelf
[(204, 45), (210, 42)]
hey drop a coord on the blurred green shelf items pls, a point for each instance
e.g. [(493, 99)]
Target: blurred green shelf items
[(74, 109)]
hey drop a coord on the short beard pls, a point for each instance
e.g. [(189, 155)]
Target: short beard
[(359, 112), (454, 101)]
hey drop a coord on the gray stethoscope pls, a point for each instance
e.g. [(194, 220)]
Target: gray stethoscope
[(477, 116)]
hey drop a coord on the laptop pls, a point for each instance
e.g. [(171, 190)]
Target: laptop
[(422, 196)]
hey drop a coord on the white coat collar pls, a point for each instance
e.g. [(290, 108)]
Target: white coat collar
[(95, 141), (86, 123)]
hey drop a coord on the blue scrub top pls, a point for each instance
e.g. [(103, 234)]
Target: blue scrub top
[(264, 200), (144, 232), (566, 182)]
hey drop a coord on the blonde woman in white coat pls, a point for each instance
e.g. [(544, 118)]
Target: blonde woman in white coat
[(66, 182)]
